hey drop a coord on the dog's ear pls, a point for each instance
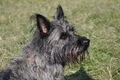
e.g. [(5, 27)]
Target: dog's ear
[(43, 24), (60, 13)]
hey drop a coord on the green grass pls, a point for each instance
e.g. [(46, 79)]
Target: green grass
[(98, 20)]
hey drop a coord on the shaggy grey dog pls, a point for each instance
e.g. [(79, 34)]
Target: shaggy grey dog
[(54, 43)]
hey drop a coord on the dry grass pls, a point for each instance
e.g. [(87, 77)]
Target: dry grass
[(98, 20)]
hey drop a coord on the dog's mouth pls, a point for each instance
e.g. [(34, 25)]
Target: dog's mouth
[(77, 54), (82, 54)]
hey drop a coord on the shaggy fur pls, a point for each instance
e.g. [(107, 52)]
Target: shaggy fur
[(52, 46)]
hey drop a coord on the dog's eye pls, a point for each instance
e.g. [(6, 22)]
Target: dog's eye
[(63, 36)]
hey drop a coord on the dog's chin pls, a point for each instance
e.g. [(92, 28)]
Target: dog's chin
[(82, 54)]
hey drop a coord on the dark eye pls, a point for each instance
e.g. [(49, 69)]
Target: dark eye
[(63, 36)]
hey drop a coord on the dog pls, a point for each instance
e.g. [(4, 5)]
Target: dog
[(54, 44)]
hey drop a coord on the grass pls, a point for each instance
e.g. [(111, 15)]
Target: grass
[(98, 20)]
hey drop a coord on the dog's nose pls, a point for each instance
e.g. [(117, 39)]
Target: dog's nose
[(83, 41), (86, 42)]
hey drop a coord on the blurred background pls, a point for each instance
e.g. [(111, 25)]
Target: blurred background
[(98, 20)]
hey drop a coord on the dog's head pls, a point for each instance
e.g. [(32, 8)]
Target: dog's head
[(57, 38)]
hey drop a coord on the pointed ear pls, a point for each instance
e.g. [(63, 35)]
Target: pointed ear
[(60, 13), (43, 24)]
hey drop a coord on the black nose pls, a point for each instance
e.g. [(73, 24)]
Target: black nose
[(83, 41), (86, 42)]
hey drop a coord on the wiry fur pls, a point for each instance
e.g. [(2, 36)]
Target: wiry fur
[(44, 57)]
